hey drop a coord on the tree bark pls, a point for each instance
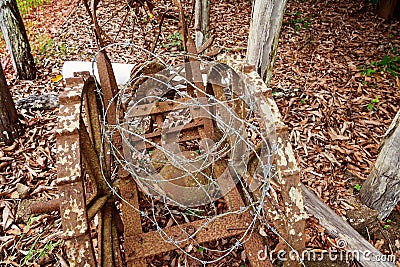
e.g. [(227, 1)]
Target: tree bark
[(202, 22), (389, 9), (381, 191), (14, 33), (264, 35), (9, 124)]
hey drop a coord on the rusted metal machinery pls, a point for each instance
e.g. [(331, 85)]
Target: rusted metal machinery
[(140, 245), (86, 188)]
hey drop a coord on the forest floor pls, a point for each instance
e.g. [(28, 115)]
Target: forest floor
[(336, 81)]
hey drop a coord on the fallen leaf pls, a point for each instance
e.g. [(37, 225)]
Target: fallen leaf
[(379, 244), (7, 217), (57, 78)]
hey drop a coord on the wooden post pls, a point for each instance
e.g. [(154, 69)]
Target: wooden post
[(264, 34), (202, 21), (14, 33), (381, 191), (9, 123), (389, 9)]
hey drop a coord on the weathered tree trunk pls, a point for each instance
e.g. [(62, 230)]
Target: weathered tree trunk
[(264, 34), (381, 191), (16, 39), (9, 124), (389, 9), (202, 21)]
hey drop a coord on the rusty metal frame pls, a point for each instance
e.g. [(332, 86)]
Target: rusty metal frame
[(79, 147), (139, 245)]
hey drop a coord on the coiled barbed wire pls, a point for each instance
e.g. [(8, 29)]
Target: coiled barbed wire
[(241, 138)]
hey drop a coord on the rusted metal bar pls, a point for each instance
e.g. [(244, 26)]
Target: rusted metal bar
[(187, 135), (117, 219), (208, 131), (161, 107), (92, 163), (70, 184), (290, 222), (255, 242), (106, 245), (108, 84), (45, 207), (172, 130), (153, 243), (109, 250), (115, 242), (97, 205), (108, 88), (92, 113), (132, 220), (109, 254)]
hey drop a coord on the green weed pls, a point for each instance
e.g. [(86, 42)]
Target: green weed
[(194, 212), (357, 187), (375, 2), (371, 105), (37, 254), (174, 40), (367, 71), (389, 64), (297, 22), (26, 6), (63, 48)]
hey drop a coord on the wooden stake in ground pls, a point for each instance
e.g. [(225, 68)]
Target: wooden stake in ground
[(14, 33), (381, 191), (202, 21), (9, 124), (265, 26)]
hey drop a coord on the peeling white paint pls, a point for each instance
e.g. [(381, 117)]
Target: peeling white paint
[(296, 197)]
